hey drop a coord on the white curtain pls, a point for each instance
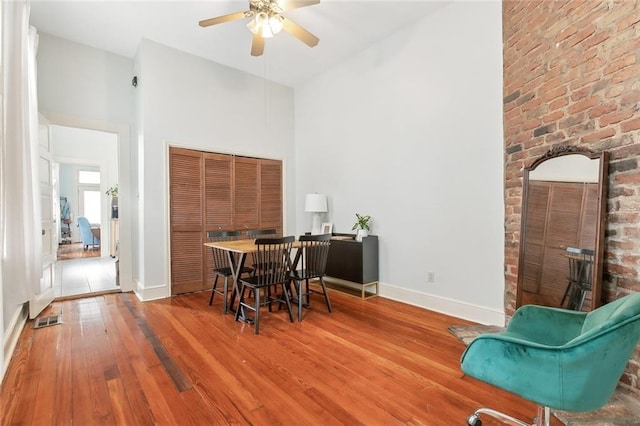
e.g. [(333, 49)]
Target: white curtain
[(20, 190), (2, 324)]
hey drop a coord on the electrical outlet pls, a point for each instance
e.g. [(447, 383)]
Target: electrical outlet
[(431, 277)]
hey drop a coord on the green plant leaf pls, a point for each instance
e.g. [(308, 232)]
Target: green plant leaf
[(362, 222), (113, 191)]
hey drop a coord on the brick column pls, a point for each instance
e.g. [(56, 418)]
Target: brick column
[(572, 77)]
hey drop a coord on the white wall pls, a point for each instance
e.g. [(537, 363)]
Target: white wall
[(187, 101), (410, 132), (82, 81)]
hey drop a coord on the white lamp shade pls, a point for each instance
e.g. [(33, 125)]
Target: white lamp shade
[(315, 203)]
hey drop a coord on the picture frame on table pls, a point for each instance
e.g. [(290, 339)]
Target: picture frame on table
[(327, 228)]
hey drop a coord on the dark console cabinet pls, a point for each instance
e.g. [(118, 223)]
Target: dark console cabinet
[(353, 261)]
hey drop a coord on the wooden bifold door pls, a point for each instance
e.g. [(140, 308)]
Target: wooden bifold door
[(210, 192)]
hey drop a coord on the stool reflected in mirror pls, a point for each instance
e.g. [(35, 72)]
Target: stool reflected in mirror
[(580, 277)]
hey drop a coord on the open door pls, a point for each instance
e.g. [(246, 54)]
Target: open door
[(49, 219)]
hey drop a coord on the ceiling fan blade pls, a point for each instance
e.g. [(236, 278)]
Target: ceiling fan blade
[(257, 45), (221, 19), (294, 4), (300, 33)]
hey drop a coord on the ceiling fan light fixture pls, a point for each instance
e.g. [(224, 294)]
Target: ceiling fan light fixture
[(266, 25), (277, 6), (266, 20), (275, 24), (266, 31), (256, 24)]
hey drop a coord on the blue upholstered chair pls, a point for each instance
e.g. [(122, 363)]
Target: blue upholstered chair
[(557, 358), (88, 239)]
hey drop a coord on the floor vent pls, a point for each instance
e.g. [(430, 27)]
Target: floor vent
[(47, 321)]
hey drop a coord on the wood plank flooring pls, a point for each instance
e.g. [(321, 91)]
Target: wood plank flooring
[(179, 361), (76, 251)]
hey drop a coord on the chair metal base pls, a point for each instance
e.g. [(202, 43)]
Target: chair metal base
[(542, 419)]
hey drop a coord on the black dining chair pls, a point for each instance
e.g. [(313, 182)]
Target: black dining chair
[(312, 257), (260, 233), (221, 266), (272, 257)]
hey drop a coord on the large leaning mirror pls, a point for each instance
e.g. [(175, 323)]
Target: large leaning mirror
[(562, 234)]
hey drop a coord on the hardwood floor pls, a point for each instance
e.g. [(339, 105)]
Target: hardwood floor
[(76, 251), (179, 361)]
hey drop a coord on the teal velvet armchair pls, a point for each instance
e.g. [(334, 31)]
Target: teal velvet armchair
[(557, 358)]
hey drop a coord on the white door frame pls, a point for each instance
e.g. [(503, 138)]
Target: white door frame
[(125, 196)]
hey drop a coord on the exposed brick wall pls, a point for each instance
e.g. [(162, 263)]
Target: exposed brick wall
[(572, 77)]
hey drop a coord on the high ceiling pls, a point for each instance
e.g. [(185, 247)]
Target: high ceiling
[(344, 28)]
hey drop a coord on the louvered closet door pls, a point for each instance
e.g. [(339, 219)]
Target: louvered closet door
[(218, 193), (218, 177), (246, 187), (186, 220), (271, 194), (534, 244)]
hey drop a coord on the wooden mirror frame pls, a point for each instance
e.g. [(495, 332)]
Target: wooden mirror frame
[(600, 217)]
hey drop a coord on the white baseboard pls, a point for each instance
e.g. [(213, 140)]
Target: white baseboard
[(475, 313), (12, 334), (455, 308), (150, 293)]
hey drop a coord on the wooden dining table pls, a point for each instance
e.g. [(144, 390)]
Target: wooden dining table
[(237, 251)]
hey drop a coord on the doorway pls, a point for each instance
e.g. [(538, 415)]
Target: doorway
[(87, 164)]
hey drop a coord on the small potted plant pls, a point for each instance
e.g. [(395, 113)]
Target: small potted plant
[(362, 226), (113, 191)]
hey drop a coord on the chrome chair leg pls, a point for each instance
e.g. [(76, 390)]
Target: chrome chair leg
[(542, 419)]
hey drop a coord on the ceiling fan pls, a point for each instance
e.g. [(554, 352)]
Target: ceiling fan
[(267, 20)]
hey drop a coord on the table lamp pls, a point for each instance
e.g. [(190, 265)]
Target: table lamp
[(316, 204)]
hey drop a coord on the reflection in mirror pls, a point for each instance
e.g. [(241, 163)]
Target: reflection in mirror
[(562, 232)]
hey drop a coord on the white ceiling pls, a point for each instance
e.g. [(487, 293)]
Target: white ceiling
[(344, 28)]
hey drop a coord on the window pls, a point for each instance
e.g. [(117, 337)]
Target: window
[(89, 194), (90, 204), (88, 177)]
